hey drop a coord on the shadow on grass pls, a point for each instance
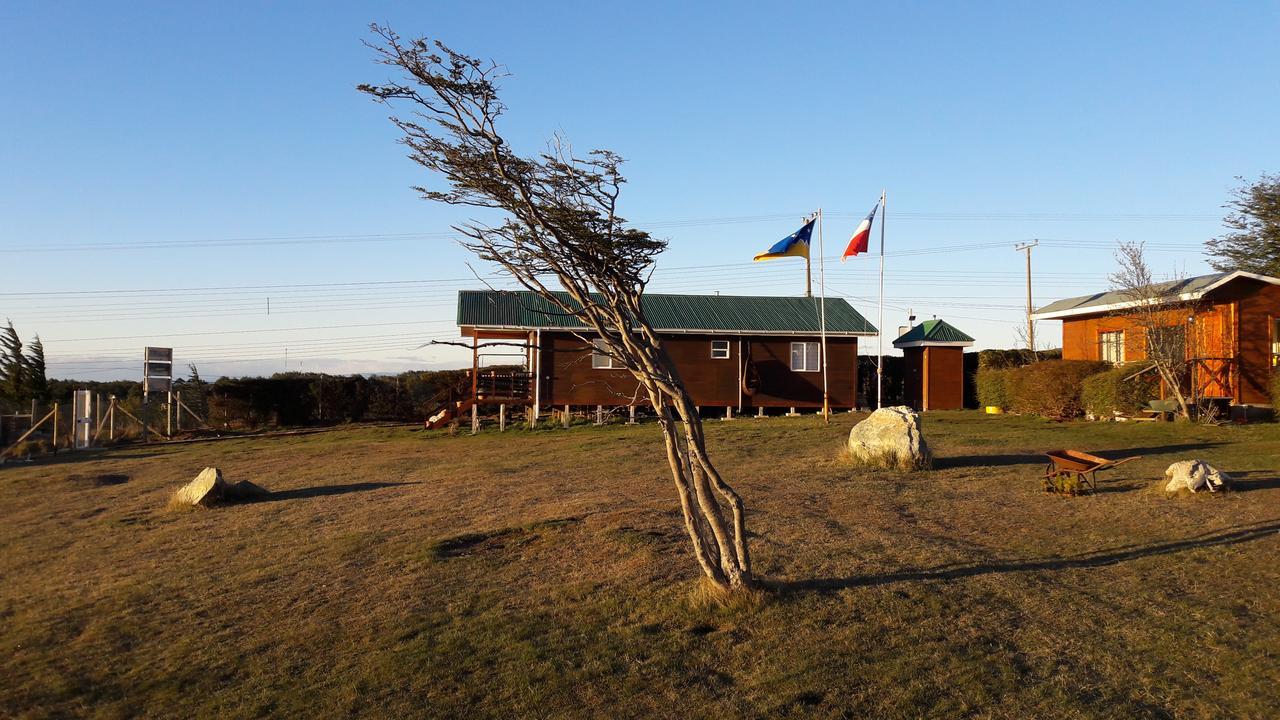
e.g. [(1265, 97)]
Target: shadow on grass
[(323, 490), (1101, 558), (959, 461), (1247, 480)]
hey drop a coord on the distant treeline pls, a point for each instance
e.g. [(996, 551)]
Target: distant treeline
[(284, 399)]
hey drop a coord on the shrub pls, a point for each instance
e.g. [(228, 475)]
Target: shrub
[(1116, 391), (992, 390), (1275, 392), (1052, 388)]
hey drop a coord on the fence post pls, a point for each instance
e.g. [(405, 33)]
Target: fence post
[(55, 428), (111, 423), (502, 417), (565, 419), (475, 419), (177, 410)]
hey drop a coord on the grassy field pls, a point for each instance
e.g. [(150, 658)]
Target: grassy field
[(545, 574)]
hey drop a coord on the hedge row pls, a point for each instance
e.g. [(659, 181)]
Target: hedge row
[(1051, 388), (1118, 390)]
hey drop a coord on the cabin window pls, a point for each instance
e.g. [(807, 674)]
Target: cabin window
[(719, 349), (804, 356), (1112, 346), (600, 358)]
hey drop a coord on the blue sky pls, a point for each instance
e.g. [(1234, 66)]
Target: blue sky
[(183, 128)]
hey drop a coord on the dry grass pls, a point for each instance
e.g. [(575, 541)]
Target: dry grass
[(545, 574)]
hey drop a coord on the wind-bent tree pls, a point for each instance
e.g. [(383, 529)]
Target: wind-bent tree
[(1254, 219), (560, 229), (1159, 312), (37, 380)]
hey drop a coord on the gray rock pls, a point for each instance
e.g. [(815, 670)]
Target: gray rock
[(1195, 475), (890, 438)]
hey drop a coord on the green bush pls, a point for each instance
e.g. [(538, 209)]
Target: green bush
[(1275, 392), (1116, 391), (991, 387), (1052, 388)]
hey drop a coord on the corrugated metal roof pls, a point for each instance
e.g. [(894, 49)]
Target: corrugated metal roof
[(933, 331), (684, 313), (1104, 299)]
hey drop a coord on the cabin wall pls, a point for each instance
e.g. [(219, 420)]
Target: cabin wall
[(1233, 325), (569, 379), (934, 378), (945, 376)]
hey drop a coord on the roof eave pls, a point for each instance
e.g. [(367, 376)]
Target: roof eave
[(1182, 297), (934, 343), (682, 331)]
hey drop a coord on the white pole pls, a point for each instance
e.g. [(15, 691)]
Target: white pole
[(822, 318), (884, 216)]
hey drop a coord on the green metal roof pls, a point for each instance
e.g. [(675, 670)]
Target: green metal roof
[(932, 332), (671, 313)]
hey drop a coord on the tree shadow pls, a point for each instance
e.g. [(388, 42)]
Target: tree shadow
[(325, 490), (1094, 559), (960, 461), (1247, 480)]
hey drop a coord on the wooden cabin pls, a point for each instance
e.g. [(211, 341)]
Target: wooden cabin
[(739, 353), (1230, 323), (933, 356)]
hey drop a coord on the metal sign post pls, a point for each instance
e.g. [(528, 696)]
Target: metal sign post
[(157, 376), (82, 419)]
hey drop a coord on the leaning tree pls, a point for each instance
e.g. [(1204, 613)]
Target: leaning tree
[(560, 236)]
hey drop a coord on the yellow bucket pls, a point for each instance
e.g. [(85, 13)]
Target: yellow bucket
[(993, 410)]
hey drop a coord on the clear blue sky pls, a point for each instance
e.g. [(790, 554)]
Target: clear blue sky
[(184, 126)]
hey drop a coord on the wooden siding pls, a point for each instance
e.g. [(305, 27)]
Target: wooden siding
[(934, 378), (1232, 330), (569, 379)]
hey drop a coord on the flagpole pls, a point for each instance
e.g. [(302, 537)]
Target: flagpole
[(822, 319), (884, 217), (808, 278)]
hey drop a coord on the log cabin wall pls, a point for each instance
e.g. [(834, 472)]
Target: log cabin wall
[(569, 379)]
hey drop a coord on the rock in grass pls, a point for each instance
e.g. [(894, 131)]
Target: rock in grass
[(891, 439), (207, 489), (1195, 475)]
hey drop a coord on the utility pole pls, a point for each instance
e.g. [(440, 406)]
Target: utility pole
[(1031, 328)]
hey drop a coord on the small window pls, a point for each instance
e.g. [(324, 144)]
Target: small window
[(719, 349), (1112, 346), (804, 356), (600, 358)]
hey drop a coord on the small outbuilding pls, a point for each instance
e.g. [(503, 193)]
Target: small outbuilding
[(934, 365)]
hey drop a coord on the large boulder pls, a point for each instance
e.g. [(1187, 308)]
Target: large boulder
[(1195, 475), (890, 438), (206, 490)]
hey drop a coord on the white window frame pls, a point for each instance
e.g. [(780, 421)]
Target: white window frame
[(719, 353), (600, 360), (1111, 346), (810, 357)]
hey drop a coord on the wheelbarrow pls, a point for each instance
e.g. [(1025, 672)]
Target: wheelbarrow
[(1070, 471)]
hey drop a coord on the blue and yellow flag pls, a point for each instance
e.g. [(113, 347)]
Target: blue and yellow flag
[(794, 245)]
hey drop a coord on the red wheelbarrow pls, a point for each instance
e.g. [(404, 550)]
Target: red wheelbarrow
[(1070, 471)]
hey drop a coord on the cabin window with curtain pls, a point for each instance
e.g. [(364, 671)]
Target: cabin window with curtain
[(804, 356), (1112, 344), (719, 349), (600, 359)]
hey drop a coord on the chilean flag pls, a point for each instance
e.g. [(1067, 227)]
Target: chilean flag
[(858, 243)]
